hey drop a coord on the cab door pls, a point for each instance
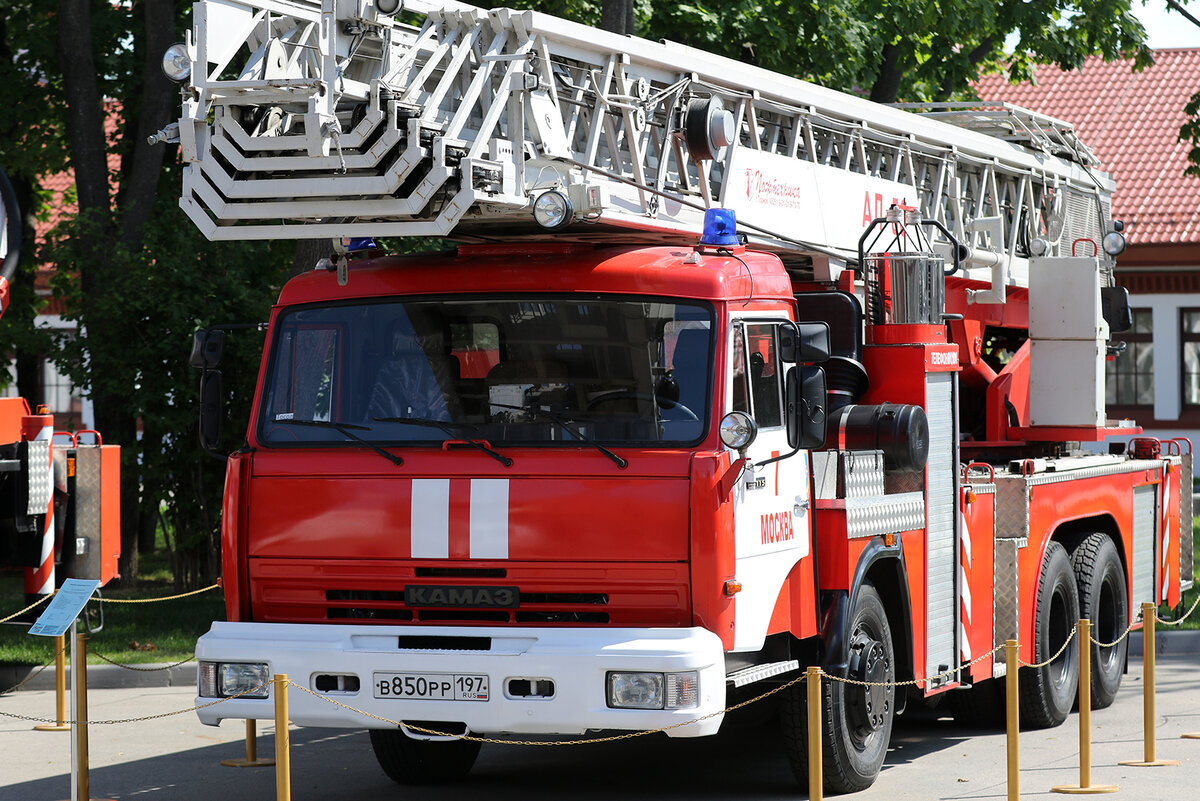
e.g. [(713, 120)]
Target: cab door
[(772, 518)]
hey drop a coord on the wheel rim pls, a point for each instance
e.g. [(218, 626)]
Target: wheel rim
[(1108, 625), (1057, 633), (868, 706)]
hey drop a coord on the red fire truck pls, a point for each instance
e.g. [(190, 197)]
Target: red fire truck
[(727, 374)]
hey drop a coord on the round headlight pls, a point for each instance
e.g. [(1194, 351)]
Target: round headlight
[(388, 6), (176, 64), (1114, 243), (738, 430), (552, 210)]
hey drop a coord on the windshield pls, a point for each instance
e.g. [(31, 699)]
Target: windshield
[(522, 370)]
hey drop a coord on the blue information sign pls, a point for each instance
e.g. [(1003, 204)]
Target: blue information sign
[(66, 605)]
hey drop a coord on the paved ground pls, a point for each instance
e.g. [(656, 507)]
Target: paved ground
[(177, 759)]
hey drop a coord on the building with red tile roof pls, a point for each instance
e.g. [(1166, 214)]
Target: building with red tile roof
[(1131, 121)]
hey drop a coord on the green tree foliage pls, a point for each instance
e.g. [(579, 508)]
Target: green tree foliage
[(916, 50), (84, 86)]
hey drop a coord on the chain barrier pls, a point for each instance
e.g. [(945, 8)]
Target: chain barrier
[(155, 600), (1116, 642), (142, 669), (914, 682), (1068, 641), (42, 599), (37, 671), (1168, 622), (142, 719), (33, 605), (497, 741)]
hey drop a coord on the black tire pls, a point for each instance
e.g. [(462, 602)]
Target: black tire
[(409, 761), (1048, 692), (1104, 601), (980, 706), (856, 721)]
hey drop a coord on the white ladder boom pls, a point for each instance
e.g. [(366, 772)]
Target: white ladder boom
[(311, 119)]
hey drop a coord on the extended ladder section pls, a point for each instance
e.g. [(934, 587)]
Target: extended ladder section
[(307, 119)]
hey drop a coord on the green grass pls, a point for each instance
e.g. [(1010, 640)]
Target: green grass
[(132, 633), (1189, 597)]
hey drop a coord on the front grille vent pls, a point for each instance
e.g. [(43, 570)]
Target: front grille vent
[(535, 607), (461, 572), (423, 643)]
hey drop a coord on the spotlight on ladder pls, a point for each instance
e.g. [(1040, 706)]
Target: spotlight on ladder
[(553, 210)]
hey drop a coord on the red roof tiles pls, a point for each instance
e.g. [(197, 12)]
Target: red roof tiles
[(1131, 121)]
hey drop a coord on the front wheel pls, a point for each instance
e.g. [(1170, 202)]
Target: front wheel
[(856, 719), (410, 761)]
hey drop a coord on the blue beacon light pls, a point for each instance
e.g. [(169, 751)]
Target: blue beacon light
[(720, 228)]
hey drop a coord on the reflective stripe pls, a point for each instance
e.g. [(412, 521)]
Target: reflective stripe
[(430, 518), (489, 518)]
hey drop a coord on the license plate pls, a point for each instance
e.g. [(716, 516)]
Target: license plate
[(431, 686)]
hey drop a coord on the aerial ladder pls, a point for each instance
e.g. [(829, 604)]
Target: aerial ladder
[(312, 119)]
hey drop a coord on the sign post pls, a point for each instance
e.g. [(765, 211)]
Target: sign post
[(59, 615)]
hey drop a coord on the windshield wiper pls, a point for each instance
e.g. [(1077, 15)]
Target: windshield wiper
[(564, 422), (345, 429), (451, 429)]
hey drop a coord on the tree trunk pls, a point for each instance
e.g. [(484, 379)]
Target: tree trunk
[(308, 252), (99, 274), (891, 70), (617, 16), (139, 184)]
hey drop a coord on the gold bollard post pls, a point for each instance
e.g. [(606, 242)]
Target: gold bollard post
[(1013, 715), (1149, 718), (251, 760), (60, 688), (816, 781), (283, 761), (82, 780), (1084, 632)]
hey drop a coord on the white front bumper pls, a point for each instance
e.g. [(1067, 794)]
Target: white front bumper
[(576, 660)]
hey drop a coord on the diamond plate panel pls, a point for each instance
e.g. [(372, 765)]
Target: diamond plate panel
[(862, 474), (825, 474), (1059, 470), (87, 511), (1005, 620), (41, 476), (1012, 506), (884, 514)]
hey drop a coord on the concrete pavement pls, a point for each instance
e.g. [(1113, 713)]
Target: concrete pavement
[(177, 758)]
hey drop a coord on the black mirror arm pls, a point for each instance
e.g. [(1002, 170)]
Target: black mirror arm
[(778, 458)]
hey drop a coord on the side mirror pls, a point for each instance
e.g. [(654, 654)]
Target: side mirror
[(806, 407), (1114, 302), (212, 409), (207, 348), (804, 342)]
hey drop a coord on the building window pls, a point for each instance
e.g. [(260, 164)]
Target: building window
[(1189, 335), (1130, 379)]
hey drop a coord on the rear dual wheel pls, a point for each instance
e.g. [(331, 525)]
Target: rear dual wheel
[(1048, 692), (1104, 601)]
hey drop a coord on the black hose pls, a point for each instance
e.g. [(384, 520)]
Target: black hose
[(8, 201)]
